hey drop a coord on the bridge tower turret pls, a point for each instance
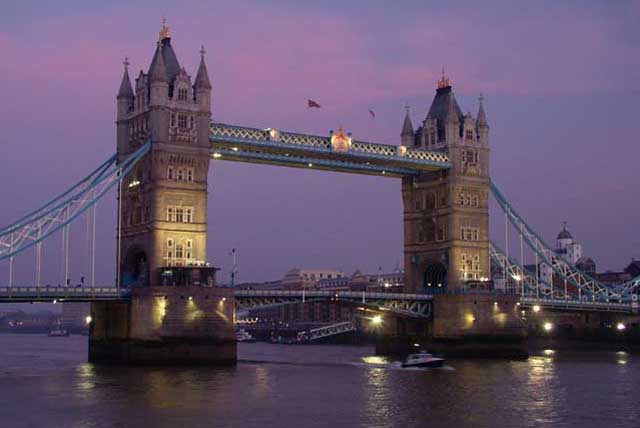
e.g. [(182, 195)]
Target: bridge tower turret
[(446, 225), (164, 200)]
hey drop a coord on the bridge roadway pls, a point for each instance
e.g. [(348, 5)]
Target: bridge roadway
[(413, 305)]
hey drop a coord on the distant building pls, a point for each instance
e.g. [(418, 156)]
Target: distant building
[(303, 279)]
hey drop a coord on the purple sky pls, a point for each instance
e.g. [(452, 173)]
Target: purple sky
[(560, 83)]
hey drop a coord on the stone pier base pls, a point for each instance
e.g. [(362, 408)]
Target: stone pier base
[(165, 325)]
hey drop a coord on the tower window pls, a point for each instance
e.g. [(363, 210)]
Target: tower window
[(469, 134), (170, 173), (180, 175), (190, 174), (182, 121), (170, 214), (179, 251), (183, 94), (188, 215), (173, 119), (179, 215)]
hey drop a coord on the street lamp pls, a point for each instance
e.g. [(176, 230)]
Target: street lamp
[(376, 320), (547, 326)]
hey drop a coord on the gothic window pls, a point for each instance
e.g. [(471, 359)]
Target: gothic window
[(475, 201), (430, 232), (180, 175), (179, 251), (188, 215), (431, 201), (468, 134), (170, 214), (461, 199), (469, 234), (170, 173), (190, 174), (173, 119), (467, 200), (432, 136), (421, 234), (471, 156), (182, 94), (182, 121), (190, 122), (189, 248), (442, 232), (179, 215)]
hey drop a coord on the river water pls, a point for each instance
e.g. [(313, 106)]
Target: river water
[(46, 382)]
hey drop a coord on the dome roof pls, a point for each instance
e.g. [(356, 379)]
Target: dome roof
[(564, 233)]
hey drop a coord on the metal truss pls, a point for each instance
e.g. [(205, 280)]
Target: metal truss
[(61, 294), (330, 330), (576, 305), (528, 283), (588, 288), (38, 225), (411, 305), (312, 149)]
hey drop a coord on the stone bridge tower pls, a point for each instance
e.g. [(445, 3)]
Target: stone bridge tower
[(163, 209), (446, 218), (175, 313)]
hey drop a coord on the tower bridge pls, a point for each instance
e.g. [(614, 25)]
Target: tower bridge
[(165, 305)]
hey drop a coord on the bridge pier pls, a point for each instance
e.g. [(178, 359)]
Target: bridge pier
[(165, 325), (463, 325)]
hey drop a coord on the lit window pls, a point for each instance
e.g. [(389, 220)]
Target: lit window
[(182, 121)]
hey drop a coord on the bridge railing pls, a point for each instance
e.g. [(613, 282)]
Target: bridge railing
[(288, 140)]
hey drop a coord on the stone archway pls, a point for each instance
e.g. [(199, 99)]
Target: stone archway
[(435, 278), (135, 269)]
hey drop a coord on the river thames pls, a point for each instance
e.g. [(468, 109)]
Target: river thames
[(46, 382)]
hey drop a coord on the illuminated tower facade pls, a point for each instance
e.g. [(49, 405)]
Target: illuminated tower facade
[(163, 202), (446, 227)]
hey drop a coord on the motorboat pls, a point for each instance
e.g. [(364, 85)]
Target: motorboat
[(58, 332), (244, 336), (422, 359)]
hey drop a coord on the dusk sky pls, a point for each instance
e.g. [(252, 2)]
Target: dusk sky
[(561, 81)]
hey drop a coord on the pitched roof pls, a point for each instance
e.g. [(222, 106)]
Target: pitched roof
[(444, 106), (168, 60)]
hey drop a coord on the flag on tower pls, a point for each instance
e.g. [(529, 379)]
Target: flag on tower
[(372, 113), (312, 103)]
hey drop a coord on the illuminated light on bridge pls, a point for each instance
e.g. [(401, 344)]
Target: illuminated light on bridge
[(376, 320), (88, 319), (621, 326), (536, 308), (548, 326)]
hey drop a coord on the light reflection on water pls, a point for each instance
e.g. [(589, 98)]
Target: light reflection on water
[(48, 383)]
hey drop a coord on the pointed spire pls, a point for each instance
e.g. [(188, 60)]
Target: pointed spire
[(158, 72), (202, 77), (407, 127), (482, 117), (126, 91)]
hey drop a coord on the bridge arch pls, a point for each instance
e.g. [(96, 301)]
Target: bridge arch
[(435, 278), (135, 269)]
